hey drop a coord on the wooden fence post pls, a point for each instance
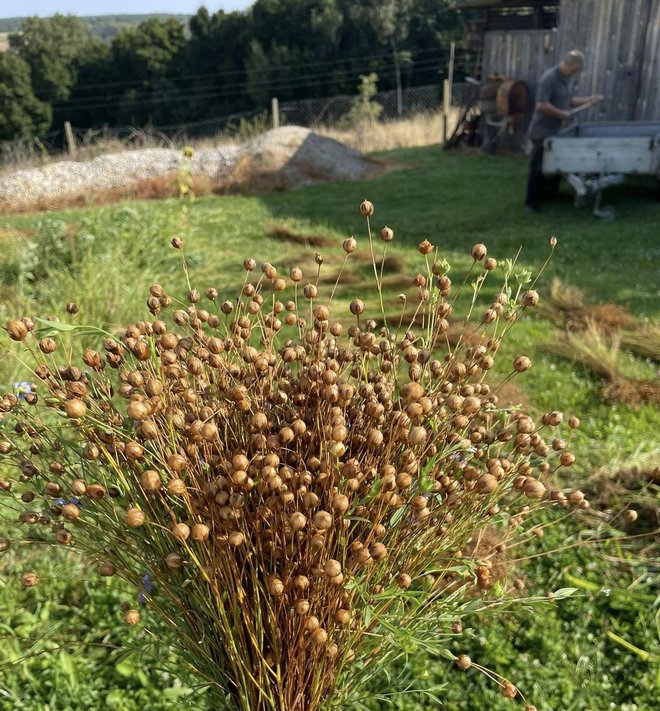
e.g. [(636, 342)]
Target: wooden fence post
[(70, 138), (446, 105), (275, 111)]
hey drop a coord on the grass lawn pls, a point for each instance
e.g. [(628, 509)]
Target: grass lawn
[(566, 655)]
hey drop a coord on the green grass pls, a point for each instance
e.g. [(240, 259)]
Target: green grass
[(104, 259)]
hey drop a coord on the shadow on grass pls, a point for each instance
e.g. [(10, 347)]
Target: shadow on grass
[(456, 200)]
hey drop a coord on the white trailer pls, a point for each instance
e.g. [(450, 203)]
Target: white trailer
[(593, 156)]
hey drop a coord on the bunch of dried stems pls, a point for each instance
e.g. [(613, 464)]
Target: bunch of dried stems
[(310, 496)]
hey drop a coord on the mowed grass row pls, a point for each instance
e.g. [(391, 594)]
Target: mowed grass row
[(105, 258)]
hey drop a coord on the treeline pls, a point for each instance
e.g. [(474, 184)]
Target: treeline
[(165, 74), (104, 27)]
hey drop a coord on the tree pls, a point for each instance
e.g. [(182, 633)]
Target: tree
[(21, 114), (54, 48), (146, 54), (146, 51)]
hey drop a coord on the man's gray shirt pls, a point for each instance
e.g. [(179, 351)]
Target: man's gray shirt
[(553, 88)]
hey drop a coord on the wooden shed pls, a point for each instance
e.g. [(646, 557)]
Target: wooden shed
[(620, 38)]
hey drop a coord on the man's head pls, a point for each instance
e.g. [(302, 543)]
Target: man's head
[(572, 63)]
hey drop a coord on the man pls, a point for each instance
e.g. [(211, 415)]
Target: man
[(552, 109)]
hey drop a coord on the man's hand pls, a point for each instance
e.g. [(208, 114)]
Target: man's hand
[(565, 115)]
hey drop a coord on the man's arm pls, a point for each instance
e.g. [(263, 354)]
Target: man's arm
[(581, 100), (548, 109)]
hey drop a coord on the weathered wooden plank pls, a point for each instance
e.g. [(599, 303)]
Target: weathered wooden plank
[(613, 34), (522, 55), (647, 106), (621, 41)]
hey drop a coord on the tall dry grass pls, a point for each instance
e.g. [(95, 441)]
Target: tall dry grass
[(423, 129)]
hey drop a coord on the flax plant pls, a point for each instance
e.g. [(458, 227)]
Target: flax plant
[(306, 493)]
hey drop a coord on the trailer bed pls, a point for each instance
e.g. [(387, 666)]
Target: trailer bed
[(624, 147), (594, 156)]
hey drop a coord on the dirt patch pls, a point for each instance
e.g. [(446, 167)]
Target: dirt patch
[(283, 233), (510, 395), (632, 392)]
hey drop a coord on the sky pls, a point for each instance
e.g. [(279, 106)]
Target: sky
[(10, 8)]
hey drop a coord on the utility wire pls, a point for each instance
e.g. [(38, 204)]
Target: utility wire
[(234, 72), (282, 84)]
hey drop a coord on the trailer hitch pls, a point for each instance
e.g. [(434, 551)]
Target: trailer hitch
[(586, 185)]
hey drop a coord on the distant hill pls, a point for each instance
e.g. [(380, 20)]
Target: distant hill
[(103, 26)]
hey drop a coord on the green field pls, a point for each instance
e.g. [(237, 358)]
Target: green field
[(597, 650)]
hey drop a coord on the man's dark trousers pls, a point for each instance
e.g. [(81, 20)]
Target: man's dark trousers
[(539, 187)]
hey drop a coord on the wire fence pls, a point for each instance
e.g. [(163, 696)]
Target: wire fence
[(327, 112)]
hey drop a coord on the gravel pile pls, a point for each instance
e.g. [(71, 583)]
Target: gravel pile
[(72, 178), (292, 155)]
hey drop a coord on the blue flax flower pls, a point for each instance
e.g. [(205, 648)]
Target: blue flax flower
[(23, 388)]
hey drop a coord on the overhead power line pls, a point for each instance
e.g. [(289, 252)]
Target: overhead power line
[(228, 91), (235, 72)]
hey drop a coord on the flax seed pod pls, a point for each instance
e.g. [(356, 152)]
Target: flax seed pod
[(340, 503), (150, 481), (75, 408), (322, 520), (173, 561), (508, 690), (71, 512), (236, 539), (134, 518), (302, 607), (478, 252), (29, 580), (107, 569), (366, 208), (463, 662), (576, 497), (521, 364), (357, 307), (181, 531), (533, 488), (332, 568), (96, 491), (349, 245), (200, 532), (298, 521), (386, 234), (176, 487), (63, 536), (530, 298), (486, 484), (567, 459), (131, 617), (319, 636), (275, 587)]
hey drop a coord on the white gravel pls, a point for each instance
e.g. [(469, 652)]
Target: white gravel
[(72, 178), (293, 155)]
